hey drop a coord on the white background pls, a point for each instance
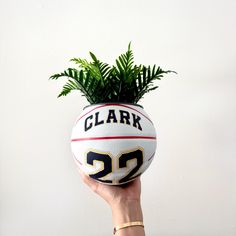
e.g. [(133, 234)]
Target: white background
[(190, 188)]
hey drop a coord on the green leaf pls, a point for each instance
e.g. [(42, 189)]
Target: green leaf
[(100, 82)]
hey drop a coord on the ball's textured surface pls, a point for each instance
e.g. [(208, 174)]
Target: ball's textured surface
[(113, 143)]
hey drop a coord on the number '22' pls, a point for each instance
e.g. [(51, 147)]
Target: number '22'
[(123, 159)]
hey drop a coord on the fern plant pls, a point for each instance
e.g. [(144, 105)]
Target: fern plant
[(100, 82)]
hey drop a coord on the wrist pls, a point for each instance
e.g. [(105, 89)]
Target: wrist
[(126, 211)]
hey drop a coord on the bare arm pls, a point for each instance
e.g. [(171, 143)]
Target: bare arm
[(124, 202)]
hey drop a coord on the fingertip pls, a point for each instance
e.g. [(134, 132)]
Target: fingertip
[(82, 174), (79, 170), (87, 180), (90, 182)]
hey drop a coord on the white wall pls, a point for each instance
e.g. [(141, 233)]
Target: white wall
[(190, 187)]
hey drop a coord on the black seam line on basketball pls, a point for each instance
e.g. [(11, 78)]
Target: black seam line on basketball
[(113, 137), (112, 105), (151, 156)]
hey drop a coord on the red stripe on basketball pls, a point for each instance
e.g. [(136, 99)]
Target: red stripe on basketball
[(75, 159), (121, 105), (112, 137)]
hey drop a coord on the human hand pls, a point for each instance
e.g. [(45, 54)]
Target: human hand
[(114, 194), (124, 201)]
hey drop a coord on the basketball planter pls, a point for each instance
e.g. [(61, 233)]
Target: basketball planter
[(113, 143), (113, 140)]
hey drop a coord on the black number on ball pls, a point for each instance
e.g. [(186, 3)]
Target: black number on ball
[(137, 155), (123, 160), (106, 159)]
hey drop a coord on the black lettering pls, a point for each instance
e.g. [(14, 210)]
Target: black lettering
[(96, 120), (124, 115), (136, 120), (111, 116), (86, 126)]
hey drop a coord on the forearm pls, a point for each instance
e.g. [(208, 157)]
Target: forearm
[(128, 211)]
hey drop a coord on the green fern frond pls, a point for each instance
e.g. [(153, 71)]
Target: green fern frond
[(124, 64), (68, 87), (100, 82)]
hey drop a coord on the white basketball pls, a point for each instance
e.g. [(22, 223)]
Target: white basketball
[(113, 143)]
